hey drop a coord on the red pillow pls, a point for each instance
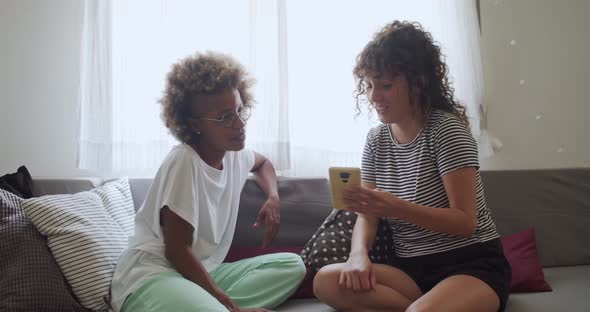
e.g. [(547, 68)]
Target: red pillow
[(305, 290), (521, 251)]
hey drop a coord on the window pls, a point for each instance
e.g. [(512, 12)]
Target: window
[(301, 53)]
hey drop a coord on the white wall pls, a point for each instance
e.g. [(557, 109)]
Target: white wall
[(39, 65), (39, 62), (543, 121)]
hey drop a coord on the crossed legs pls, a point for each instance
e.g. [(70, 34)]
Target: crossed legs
[(397, 291)]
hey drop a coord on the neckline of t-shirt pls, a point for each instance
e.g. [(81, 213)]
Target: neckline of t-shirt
[(417, 137), (213, 170), (205, 164), (405, 145)]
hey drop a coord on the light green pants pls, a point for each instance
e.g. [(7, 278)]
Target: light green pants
[(260, 282)]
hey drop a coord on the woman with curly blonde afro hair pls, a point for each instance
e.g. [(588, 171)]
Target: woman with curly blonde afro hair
[(184, 228), (420, 176)]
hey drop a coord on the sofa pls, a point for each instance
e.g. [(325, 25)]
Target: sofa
[(555, 203)]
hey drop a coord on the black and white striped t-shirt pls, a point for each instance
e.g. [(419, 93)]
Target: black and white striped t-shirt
[(414, 171)]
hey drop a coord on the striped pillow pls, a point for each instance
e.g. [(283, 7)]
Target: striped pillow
[(86, 232)]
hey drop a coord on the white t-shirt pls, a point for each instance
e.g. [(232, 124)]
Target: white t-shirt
[(205, 197)]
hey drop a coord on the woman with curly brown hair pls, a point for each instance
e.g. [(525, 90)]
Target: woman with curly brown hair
[(185, 226), (420, 174)]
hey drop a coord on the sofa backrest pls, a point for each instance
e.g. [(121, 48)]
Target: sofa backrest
[(555, 202), (305, 203)]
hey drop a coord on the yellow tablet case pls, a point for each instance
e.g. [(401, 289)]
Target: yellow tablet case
[(341, 178)]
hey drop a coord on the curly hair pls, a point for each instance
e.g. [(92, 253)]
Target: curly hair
[(405, 48), (200, 74)]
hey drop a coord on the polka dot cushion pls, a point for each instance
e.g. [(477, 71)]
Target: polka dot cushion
[(331, 242)]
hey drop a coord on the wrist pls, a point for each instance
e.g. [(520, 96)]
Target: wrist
[(403, 207), (273, 198), (358, 253)]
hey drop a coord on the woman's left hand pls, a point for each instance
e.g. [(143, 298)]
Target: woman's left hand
[(373, 202), (270, 216)]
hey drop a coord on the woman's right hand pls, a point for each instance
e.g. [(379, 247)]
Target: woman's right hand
[(358, 273)]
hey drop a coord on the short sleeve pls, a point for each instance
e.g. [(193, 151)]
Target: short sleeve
[(177, 188), (455, 147), (368, 161)]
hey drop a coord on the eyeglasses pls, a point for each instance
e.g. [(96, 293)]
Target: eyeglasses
[(227, 120)]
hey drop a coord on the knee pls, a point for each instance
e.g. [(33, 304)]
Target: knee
[(325, 284), (327, 289), (293, 264), (421, 306)]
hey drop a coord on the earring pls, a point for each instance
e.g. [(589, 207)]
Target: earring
[(198, 132)]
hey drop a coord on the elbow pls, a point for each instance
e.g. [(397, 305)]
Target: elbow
[(469, 229)]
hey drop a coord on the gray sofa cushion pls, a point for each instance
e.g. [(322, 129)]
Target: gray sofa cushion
[(303, 209), (570, 292), (555, 202), (303, 305), (30, 280), (139, 189), (45, 186)]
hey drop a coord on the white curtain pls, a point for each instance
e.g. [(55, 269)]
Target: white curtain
[(301, 53), (268, 129), (95, 96)]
